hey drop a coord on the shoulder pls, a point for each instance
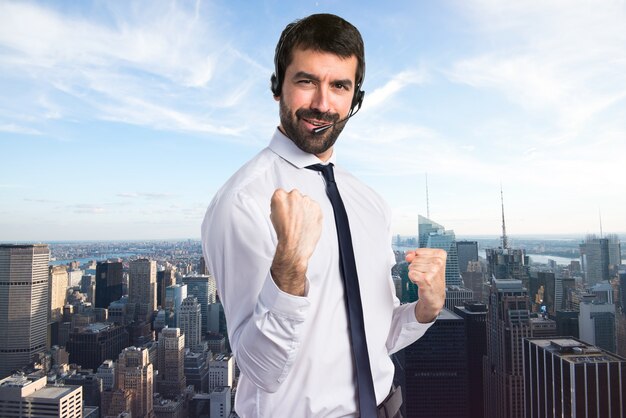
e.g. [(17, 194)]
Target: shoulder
[(253, 180), (244, 193)]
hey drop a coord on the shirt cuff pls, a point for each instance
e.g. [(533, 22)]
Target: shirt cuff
[(282, 303), (409, 319)]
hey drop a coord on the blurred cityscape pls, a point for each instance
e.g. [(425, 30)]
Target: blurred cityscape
[(533, 327)]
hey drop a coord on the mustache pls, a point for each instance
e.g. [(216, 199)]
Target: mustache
[(317, 115)]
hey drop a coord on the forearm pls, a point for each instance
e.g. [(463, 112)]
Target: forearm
[(289, 270), (426, 312)]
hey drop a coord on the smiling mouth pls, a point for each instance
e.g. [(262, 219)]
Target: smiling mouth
[(316, 122)]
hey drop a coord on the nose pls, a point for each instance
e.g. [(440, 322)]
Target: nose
[(319, 101)]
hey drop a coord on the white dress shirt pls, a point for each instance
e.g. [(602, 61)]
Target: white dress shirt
[(294, 352)]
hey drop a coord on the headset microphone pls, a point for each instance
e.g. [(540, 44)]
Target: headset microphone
[(324, 127), (352, 113)]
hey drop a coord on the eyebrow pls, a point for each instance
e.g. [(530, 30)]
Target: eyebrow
[(303, 74)]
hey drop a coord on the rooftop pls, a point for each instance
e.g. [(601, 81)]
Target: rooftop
[(53, 392), (576, 351), (15, 381), (448, 315)]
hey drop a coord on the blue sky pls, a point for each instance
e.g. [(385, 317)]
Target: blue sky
[(120, 120)]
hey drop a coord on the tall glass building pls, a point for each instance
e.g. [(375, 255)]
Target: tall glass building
[(204, 289), (433, 235)]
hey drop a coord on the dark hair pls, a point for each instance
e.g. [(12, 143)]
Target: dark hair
[(319, 32)]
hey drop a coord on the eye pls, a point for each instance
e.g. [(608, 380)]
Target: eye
[(342, 86)]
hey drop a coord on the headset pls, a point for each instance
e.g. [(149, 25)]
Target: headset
[(276, 83)]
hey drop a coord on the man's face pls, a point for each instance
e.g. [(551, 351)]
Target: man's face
[(317, 90)]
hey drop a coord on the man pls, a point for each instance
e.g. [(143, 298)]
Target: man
[(272, 237)]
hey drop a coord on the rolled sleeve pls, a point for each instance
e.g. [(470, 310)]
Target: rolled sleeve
[(405, 328), (283, 304)]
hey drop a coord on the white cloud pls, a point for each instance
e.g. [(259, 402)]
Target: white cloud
[(144, 195), (17, 129), (397, 83), (154, 67), (561, 59), (88, 209)]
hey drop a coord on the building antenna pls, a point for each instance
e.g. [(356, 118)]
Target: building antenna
[(600, 215), (505, 240), (427, 203)]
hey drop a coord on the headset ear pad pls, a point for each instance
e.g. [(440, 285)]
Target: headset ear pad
[(275, 85), (357, 100)]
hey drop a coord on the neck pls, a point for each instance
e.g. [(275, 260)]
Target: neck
[(325, 156)]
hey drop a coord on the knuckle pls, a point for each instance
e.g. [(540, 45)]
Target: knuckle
[(278, 194)]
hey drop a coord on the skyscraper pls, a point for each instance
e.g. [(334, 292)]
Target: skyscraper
[(467, 251), (57, 292), (171, 358), (92, 344), (190, 322), (221, 371), (542, 289), (174, 296), (620, 313), (220, 402), (433, 235), (475, 319), (622, 290), (109, 286), (435, 371), (615, 253), (23, 304), (134, 374), (594, 253), (508, 263), (197, 371), (596, 323), (142, 287), (204, 289), (565, 377), (474, 279), (91, 384), (216, 322), (106, 372), (508, 322), (457, 296), (165, 278), (88, 287)]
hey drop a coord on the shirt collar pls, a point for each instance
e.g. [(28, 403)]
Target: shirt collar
[(288, 151)]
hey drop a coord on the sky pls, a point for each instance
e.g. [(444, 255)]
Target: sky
[(120, 120)]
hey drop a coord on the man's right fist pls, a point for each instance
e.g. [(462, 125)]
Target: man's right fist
[(297, 220)]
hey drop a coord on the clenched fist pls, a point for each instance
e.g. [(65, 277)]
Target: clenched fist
[(297, 220), (428, 271)]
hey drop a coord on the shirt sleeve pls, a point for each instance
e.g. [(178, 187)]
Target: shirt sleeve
[(405, 329), (264, 323)]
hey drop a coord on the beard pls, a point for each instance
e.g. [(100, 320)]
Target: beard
[(304, 139)]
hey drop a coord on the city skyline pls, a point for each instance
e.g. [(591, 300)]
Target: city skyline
[(121, 121)]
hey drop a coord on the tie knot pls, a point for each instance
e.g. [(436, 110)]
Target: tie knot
[(326, 170)]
